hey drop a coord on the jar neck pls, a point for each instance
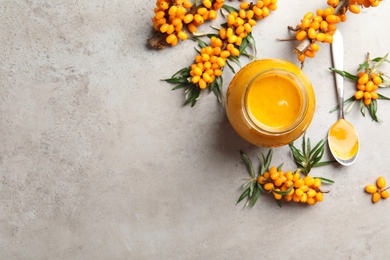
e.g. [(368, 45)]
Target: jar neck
[(271, 78)]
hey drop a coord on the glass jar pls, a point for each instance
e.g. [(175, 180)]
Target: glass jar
[(270, 102)]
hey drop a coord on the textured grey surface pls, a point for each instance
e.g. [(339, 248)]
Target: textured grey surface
[(99, 160)]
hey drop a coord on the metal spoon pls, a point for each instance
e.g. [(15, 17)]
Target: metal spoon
[(343, 139)]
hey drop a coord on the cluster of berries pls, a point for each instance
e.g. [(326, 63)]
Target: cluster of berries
[(209, 63), (366, 86), (320, 27), (292, 186), (171, 16), (378, 190)]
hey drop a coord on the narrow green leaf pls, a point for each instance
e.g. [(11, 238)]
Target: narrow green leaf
[(324, 180), (248, 164), (229, 8), (176, 80), (345, 74), (380, 96), (283, 192), (182, 85), (268, 159), (201, 43), (243, 196), (256, 195), (378, 63)]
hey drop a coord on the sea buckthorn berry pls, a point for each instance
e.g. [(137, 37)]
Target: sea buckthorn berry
[(311, 200), (289, 175), (309, 53), (374, 95), (376, 79), (353, 8), (371, 188), (311, 33), (182, 35), (192, 27), (384, 194), (361, 87), (317, 183), (367, 101), (324, 26), (213, 14), (277, 196), (266, 11), (369, 85), (187, 4), (333, 3), (367, 95), (296, 176), (278, 182), (273, 169), (171, 38), (315, 47), (320, 37), (298, 183), (288, 197), (359, 94), (309, 181), (198, 19), (244, 5), (363, 79), (207, 4), (298, 192), (381, 182), (311, 193), (235, 52), (202, 84), (268, 186), (303, 198), (195, 79), (319, 196), (376, 197), (266, 175), (301, 35), (315, 25)]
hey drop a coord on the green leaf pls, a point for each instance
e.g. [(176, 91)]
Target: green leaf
[(182, 85), (176, 80), (248, 164), (324, 180), (283, 192), (201, 43), (230, 66), (380, 96), (378, 63), (345, 74), (243, 196), (364, 66), (256, 195), (229, 8)]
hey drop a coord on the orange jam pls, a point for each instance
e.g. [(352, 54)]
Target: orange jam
[(270, 102), (344, 140)]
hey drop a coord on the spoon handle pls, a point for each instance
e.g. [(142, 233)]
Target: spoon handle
[(337, 48)]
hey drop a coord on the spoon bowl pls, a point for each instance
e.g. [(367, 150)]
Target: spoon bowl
[(343, 138)]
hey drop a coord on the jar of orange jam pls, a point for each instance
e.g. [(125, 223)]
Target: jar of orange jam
[(270, 102)]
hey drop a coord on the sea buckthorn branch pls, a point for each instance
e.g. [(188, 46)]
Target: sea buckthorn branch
[(368, 81), (308, 157), (378, 190), (292, 186), (225, 47), (174, 18), (320, 26)]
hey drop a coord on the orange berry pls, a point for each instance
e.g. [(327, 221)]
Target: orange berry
[(359, 94), (381, 182), (371, 188), (376, 197)]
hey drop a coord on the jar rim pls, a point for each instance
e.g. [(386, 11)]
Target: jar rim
[(256, 124)]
